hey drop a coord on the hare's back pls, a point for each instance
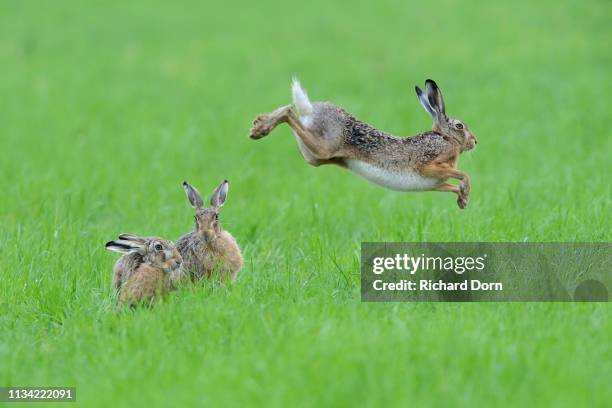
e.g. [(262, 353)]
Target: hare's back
[(124, 267), (327, 120), (143, 284)]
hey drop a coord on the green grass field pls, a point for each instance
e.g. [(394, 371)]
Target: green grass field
[(107, 108)]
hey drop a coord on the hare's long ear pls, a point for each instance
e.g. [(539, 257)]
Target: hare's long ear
[(434, 95), (219, 195), (133, 238), (123, 247), (424, 101), (194, 196)]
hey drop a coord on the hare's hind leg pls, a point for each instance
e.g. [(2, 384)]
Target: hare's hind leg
[(312, 159), (318, 152), (266, 122)]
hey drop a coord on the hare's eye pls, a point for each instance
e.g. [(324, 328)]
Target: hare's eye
[(216, 217), (158, 247), (459, 125)]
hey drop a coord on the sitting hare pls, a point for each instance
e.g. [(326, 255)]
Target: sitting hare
[(327, 134), (149, 267), (209, 247)]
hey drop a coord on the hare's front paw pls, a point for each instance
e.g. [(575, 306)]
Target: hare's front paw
[(262, 125), (462, 201), (464, 193), (464, 188)]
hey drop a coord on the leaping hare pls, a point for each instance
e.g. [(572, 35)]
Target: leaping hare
[(327, 134), (149, 267), (209, 247)]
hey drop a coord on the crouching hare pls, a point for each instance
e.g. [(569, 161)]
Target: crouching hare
[(149, 267), (327, 134), (209, 247)]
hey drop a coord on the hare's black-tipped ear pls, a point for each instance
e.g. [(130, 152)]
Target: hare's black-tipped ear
[(193, 195), (132, 237), (424, 101), (434, 95), (122, 247), (220, 194)]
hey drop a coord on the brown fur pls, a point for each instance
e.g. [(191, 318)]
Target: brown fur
[(203, 257), (144, 284), (332, 135), (124, 267), (209, 248), (149, 267)]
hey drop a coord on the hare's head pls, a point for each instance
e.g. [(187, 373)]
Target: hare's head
[(155, 251), (455, 129), (207, 219)]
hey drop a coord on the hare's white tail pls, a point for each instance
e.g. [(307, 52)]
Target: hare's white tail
[(300, 99)]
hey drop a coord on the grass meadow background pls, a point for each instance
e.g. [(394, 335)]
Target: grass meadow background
[(106, 107)]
